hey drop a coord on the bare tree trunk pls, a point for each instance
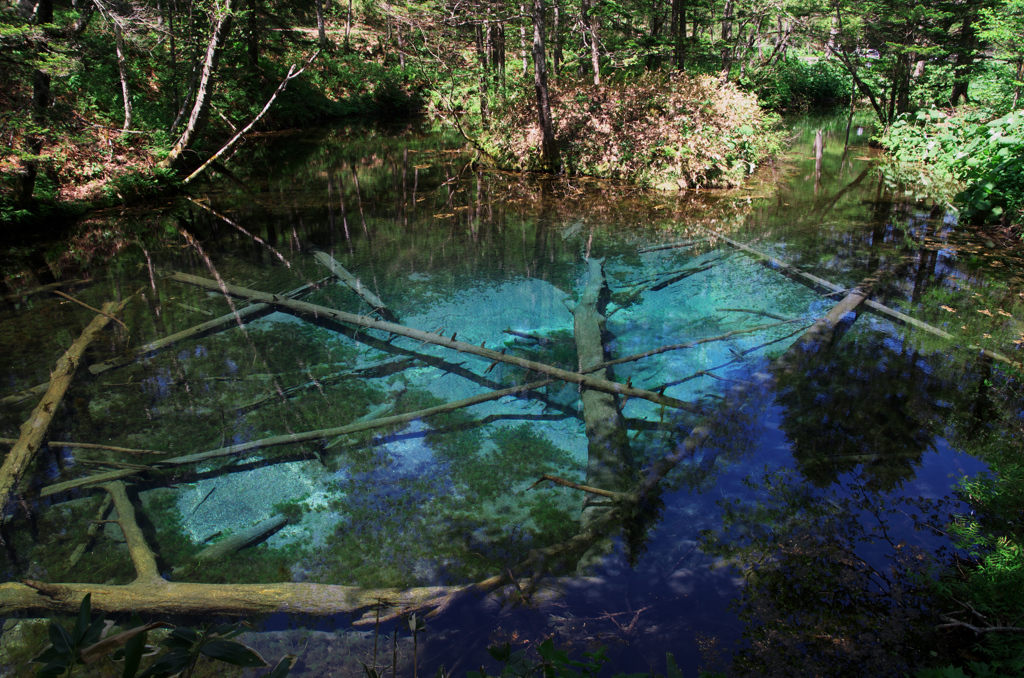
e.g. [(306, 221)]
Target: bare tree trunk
[(726, 36), (252, 34), (548, 148), (522, 41), (348, 24), (85, 8), (556, 49), (964, 60), (678, 30), (1020, 76), (590, 27), (34, 144), (321, 30), (122, 68), (44, 12), (218, 34)]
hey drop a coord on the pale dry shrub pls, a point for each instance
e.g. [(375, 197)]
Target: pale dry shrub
[(667, 131)]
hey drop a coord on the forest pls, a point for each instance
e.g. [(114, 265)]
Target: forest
[(107, 102)]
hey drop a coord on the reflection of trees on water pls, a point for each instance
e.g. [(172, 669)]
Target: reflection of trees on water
[(830, 591), (872, 403)]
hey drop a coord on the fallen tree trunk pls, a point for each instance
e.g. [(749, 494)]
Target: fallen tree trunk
[(874, 305), (88, 446), (356, 286), (289, 439), (226, 321), (33, 431), (823, 330), (316, 311), (609, 457)]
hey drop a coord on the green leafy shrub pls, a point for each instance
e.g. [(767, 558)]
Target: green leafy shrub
[(795, 84), (985, 587), (986, 158), (134, 187)]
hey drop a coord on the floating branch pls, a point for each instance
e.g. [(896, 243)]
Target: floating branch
[(316, 311), (226, 321), (351, 428), (356, 286), (33, 431), (294, 438), (692, 344), (95, 479)]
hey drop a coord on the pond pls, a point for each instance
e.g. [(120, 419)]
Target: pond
[(332, 457)]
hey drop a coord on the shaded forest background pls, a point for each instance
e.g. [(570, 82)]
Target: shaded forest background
[(110, 100)]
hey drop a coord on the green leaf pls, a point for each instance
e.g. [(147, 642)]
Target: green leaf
[(53, 669), (133, 651), (181, 637), (283, 667), (233, 652), (671, 670), (500, 653), (175, 661), (49, 655), (61, 639), (82, 623)]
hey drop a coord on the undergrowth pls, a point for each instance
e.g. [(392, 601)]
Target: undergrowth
[(667, 131)]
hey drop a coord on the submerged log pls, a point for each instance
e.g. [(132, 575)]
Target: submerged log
[(356, 286), (224, 322), (874, 305), (239, 540), (316, 311), (87, 446), (609, 457), (91, 531), (810, 342), (33, 431)]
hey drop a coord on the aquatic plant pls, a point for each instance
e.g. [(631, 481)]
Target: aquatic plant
[(87, 642)]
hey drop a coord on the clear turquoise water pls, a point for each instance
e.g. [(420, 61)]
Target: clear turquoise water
[(446, 501)]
